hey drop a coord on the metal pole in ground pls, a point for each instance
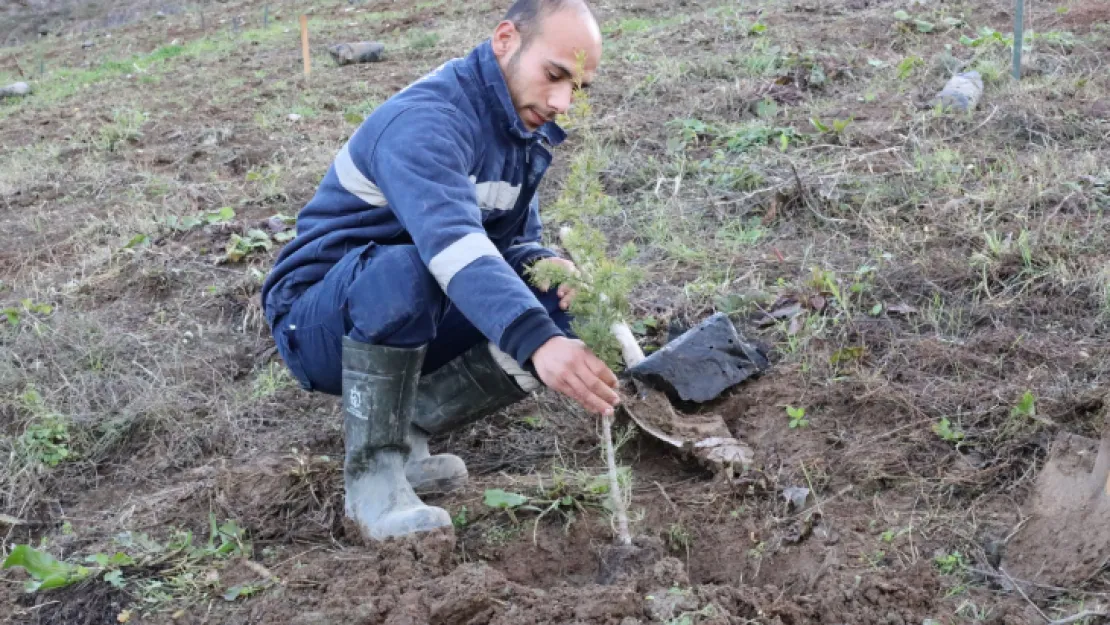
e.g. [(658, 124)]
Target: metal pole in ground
[(1019, 27)]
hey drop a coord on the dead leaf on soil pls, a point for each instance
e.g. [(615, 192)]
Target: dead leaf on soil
[(783, 311), (795, 326)]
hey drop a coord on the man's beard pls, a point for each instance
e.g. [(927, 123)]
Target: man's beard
[(511, 69)]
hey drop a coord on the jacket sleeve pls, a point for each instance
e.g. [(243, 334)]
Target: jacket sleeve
[(420, 162), (527, 248)]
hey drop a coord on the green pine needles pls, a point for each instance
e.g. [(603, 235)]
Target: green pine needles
[(602, 282)]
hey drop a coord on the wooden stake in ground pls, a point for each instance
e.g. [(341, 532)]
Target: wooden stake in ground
[(1019, 27), (304, 45)]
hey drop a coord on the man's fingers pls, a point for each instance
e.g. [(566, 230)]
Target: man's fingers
[(585, 396), (578, 392), (603, 372), (598, 388)]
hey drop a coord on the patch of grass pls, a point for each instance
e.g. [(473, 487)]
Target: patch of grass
[(160, 576), (423, 40), (46, 440), (357, 112), (271, 380), (636, 25), (126, 126)]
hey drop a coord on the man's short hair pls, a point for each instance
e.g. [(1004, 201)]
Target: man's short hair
[(527, 15)]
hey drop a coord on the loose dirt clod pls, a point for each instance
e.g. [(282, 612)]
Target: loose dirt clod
[(1066, 540)]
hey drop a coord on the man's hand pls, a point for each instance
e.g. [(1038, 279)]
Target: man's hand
[(569, 367), (566, 294)]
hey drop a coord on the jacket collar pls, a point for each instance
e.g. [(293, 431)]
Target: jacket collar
[(499, 99)]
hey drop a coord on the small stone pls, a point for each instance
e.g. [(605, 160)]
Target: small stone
[(293, 117), (796, 496), (88, 44), (961, 93), (358, 52), (15, 90), (160, 15)]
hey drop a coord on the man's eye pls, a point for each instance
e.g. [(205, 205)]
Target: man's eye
[(552, 77)]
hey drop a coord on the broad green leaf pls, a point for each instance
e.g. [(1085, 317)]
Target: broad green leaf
[(497, 498), (285, 236), (923, 26), (876, 309), (223, 215), (243, 590), (846, 354), (1026, 406), (115, 578), (136, 241), (46, 571), (953, 22), (967, 41), (766, 108), (104, 560), (901, 16)]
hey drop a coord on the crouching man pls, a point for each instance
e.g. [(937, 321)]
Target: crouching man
[(404, 290)]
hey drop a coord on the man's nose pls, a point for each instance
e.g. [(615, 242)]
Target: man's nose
[(560, 98)]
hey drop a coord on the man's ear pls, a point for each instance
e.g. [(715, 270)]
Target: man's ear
[(505, 39)]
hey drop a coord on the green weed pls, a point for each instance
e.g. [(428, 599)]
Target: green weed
[(126, 126), (423, 41), (240, 246), (944, 429), (950, 563), (157, 574), (188, 222), (14, 315), (46, 440), (797, 417)]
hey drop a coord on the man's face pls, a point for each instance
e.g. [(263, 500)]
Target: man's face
[(541, 76)]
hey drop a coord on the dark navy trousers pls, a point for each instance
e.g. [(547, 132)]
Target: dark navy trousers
[(383, 295)]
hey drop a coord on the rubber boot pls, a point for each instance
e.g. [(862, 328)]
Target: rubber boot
[(478, 383), (379, 393)]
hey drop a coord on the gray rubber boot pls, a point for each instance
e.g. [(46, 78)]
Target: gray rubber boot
[(379, 393), (478, 383)]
